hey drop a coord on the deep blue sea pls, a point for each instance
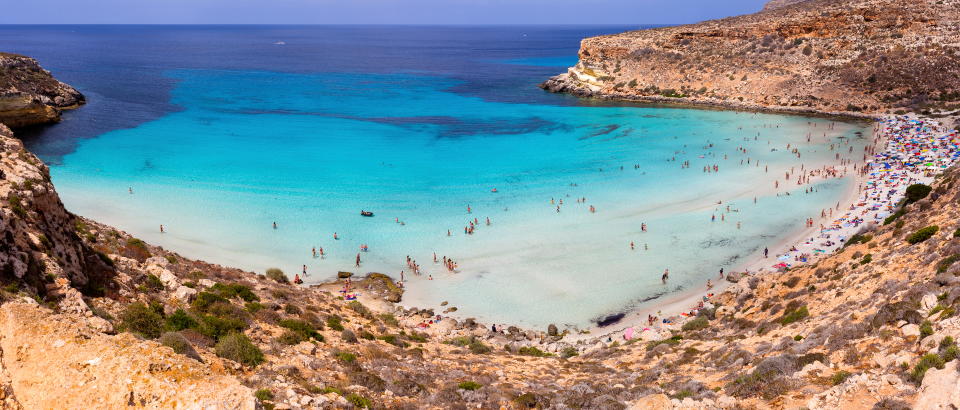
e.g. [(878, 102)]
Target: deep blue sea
[(220, 131)]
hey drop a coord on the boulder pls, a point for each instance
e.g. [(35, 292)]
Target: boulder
[(910, 330), (940, 389), (734, 277), (552, 330), (185, 294), (927, 303), (652, 402)]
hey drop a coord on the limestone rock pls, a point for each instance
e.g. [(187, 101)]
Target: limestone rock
[(184, 294), (940, 389), (652, 402)]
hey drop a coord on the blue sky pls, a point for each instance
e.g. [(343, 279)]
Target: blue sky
[(371, 11)]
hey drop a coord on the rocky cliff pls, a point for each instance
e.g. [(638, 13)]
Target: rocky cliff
[(845, 56), (29, 95), (775, 4)]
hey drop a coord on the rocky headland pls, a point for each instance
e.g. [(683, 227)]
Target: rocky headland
[(850, 57), (29, 95), (93, 317)]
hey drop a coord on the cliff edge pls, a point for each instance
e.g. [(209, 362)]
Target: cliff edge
[(29, 95), (859, 57)]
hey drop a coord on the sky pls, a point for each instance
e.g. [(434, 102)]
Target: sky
[(370, 11)]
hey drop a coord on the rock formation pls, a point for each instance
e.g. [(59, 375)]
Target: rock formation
[(29, 95), (835, 56)]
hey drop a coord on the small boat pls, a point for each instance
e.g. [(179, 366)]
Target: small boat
[(280, 43), (366, 213), (494, 190)]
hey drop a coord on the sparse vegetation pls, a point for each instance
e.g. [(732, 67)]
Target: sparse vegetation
[(922, 234), (239, 348), (142, 320), (277, 275), (794, 315)]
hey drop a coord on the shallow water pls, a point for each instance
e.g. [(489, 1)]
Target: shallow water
[(246, 147)]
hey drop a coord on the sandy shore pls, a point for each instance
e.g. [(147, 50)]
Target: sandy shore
[(673, 306)]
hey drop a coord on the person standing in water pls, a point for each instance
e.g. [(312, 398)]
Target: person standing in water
[(666, 275), (358, 260), (161, 228), (765, 252)]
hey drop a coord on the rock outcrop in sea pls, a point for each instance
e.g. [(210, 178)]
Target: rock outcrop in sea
[(29, 95)]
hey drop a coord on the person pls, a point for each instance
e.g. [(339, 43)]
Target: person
[(274, 224), (666, 275), (358, 260), (493, 328), (721, 273), (765, 252), (161, 228), (314, 251), (130, 189), (335, 237), (631, 245), (304, 270), (297, 280)]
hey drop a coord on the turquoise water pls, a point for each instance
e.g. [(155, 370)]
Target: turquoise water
[(309, 151)]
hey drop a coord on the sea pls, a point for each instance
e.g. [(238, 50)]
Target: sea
[(219, 132)]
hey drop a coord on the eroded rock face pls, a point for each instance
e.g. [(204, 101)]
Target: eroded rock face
[(38, 237), (30, 95), (102, 371), (837, 56)]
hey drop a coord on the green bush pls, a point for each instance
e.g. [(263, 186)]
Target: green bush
[(945, 263), (858, 238), (793, 316), (153, 283), (917, 192), (926, 329), (926, 362), (839, 377), (334, 322), (239, 348), (346, 357), (263, 394), (290, 338), (700, 322), (179, 344), (533, 351), (360, 309), (569, 352), (389, 319), (142, 320), (469, 385), (922, 234), (233, 290), (866, 259), (359, 401), (180, 320), (277, 275), (301, 327), (672, 341), (894, 216), (393, 339), (216, 327), (205, 299), (253, 307)]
